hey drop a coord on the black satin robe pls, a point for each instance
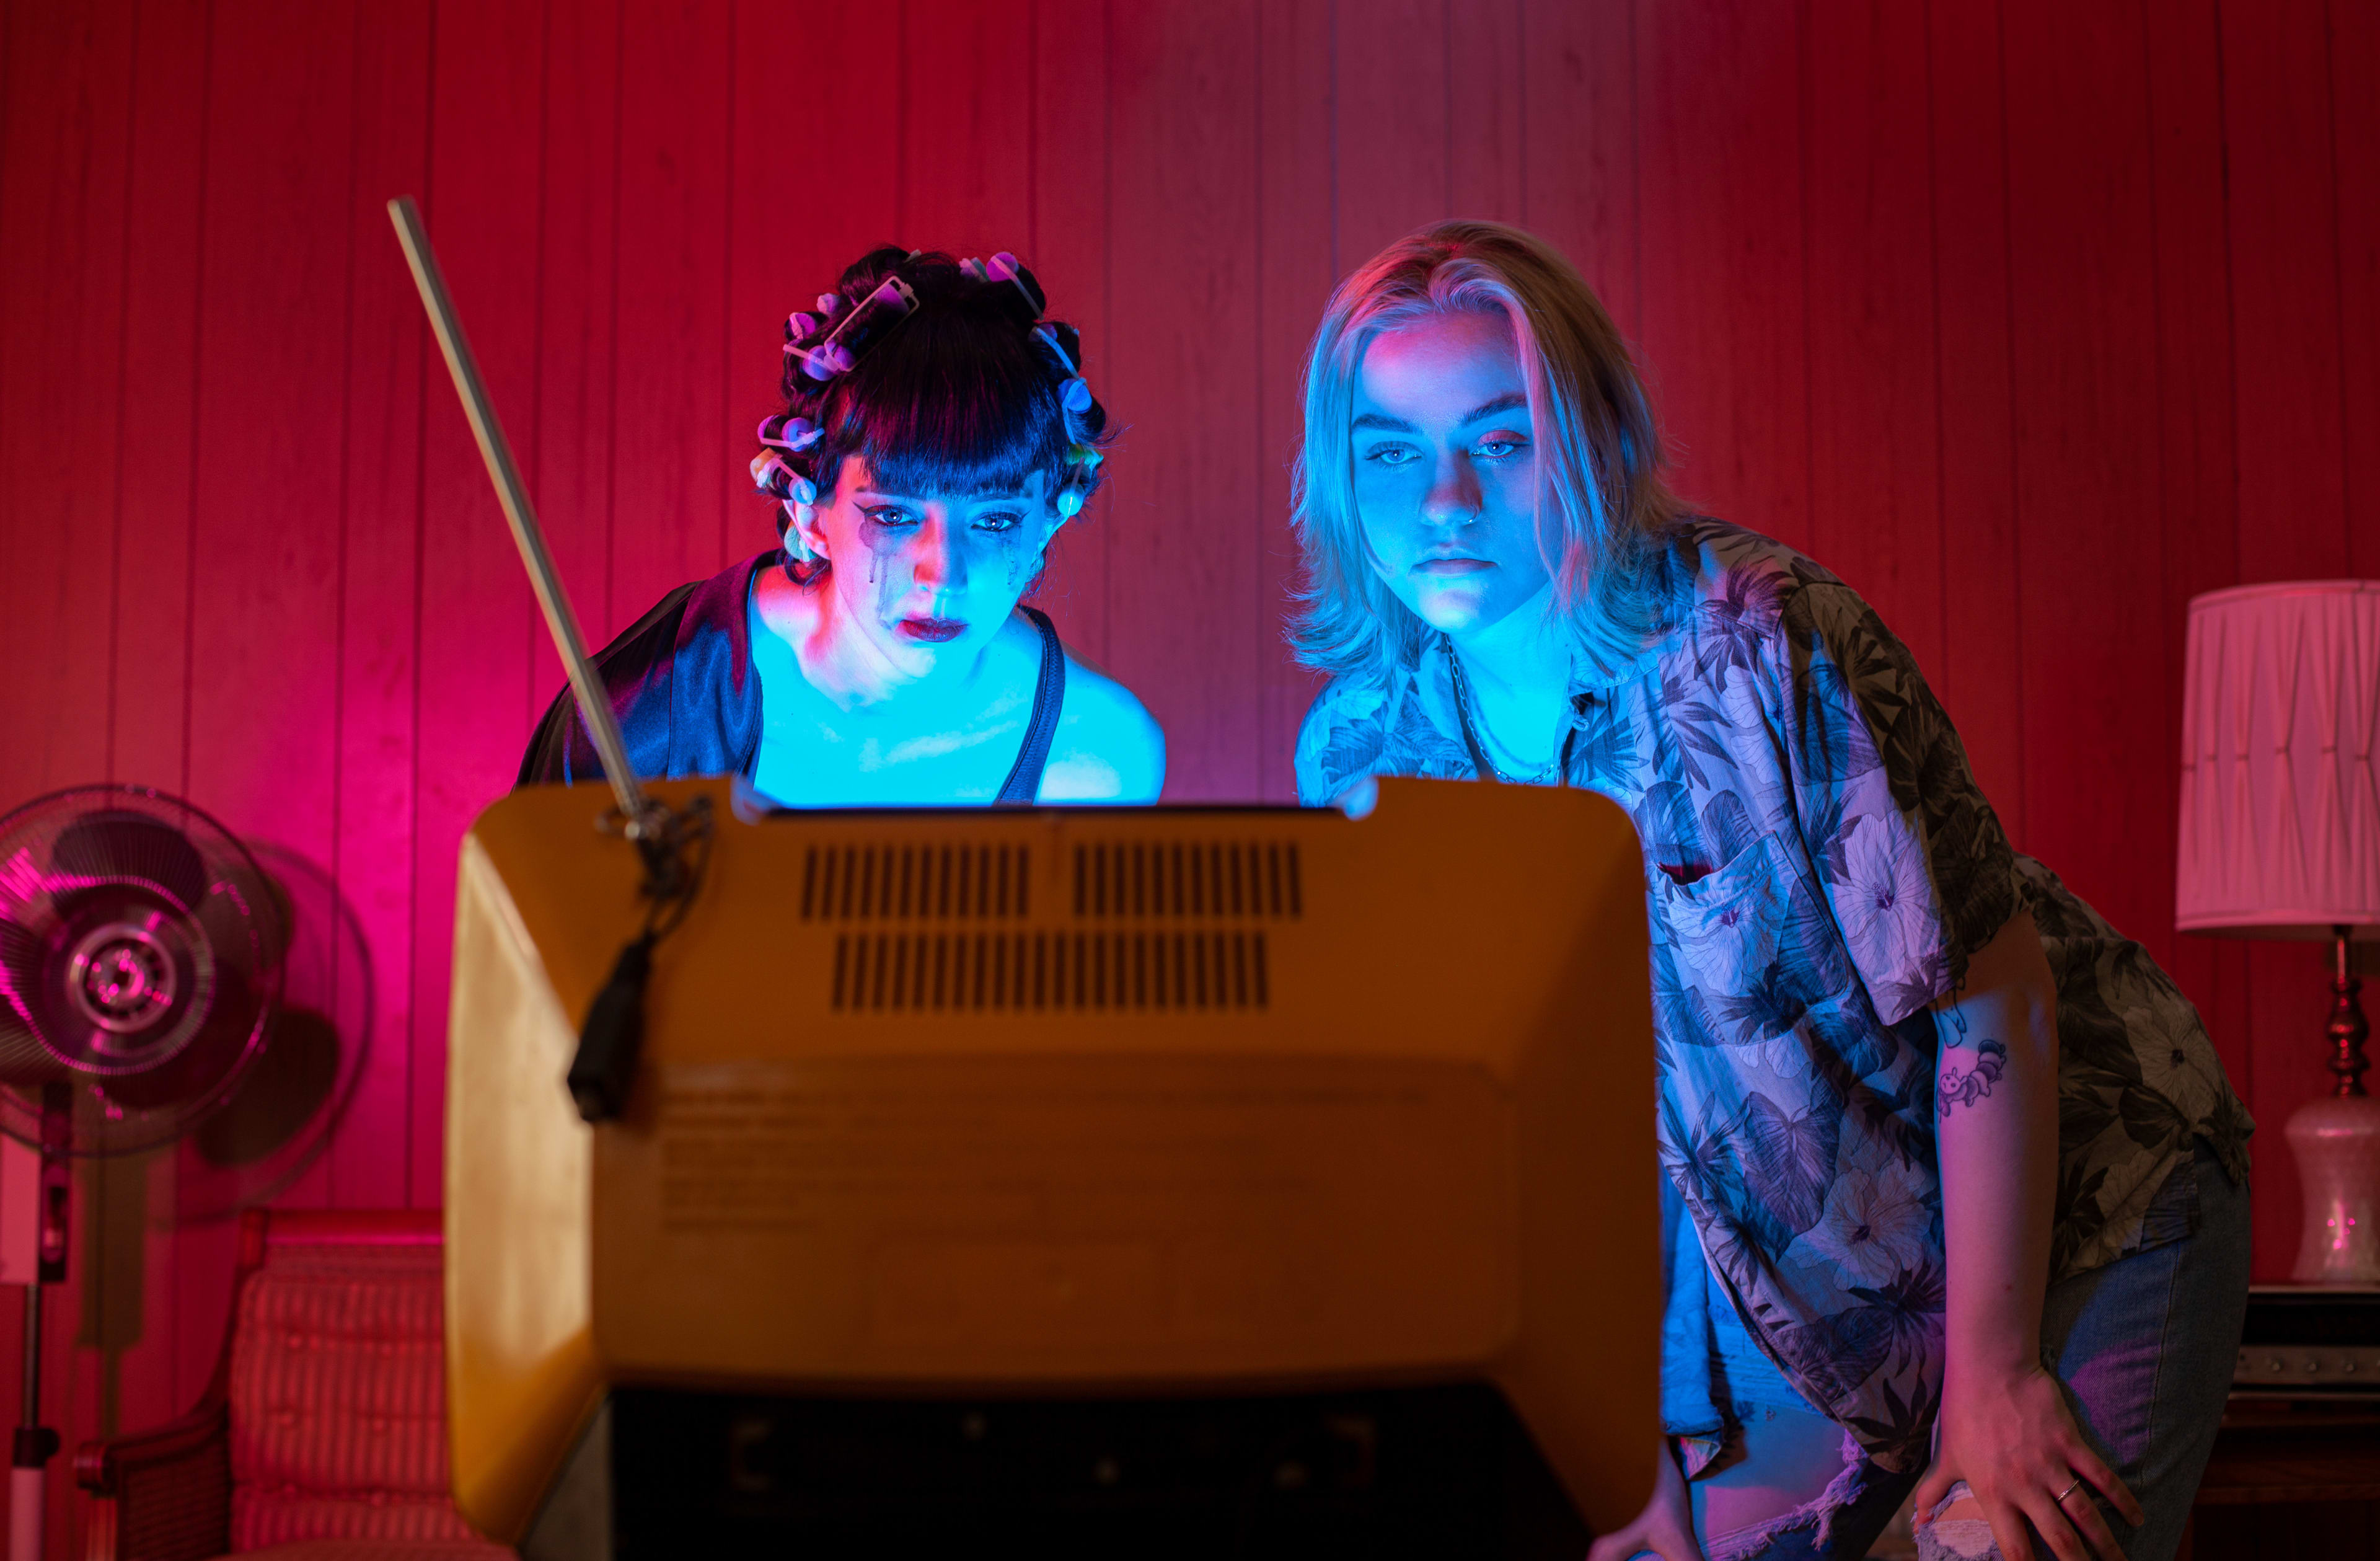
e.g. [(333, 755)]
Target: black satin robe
[(681, 684)]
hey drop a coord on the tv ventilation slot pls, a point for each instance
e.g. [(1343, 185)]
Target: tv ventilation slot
[(1097, 971), (1187, 880), (949, 883)]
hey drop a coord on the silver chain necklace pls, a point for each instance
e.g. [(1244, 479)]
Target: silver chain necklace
[(1557, 770)]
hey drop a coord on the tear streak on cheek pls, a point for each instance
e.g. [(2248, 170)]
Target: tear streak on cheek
[(885, 574)]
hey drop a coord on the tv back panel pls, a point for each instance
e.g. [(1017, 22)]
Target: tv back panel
[(1053, 1103)]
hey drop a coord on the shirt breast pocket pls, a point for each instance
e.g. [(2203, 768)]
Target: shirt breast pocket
[(1725, 927)]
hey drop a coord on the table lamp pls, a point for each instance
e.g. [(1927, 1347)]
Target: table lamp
[(2280, 838)]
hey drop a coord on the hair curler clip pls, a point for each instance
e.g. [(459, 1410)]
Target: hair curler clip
[(790, 485), (787, 431), (865, 324), (1058, 350), (766, 463), (1002, 267)]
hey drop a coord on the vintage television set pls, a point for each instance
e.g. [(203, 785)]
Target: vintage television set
[(1145, 1181)]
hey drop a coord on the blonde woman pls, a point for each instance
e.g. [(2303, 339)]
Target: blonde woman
[(1956, 1187)]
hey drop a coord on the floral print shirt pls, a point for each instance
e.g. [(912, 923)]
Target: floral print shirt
[(1820, 864)]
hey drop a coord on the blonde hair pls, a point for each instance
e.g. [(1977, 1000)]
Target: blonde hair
[(1605, 516)]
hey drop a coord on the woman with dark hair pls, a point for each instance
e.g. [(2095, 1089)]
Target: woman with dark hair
[(936, 433), (1956, 1190)]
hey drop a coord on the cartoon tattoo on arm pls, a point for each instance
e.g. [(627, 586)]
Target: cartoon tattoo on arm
[(1966, 1086), (1957, 1086)]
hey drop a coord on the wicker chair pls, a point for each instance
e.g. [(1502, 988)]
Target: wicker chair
[(323, 1431)]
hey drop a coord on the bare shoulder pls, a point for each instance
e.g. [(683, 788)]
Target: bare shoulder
[(1107, 748)]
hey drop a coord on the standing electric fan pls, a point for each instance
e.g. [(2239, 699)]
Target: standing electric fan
[(140, 958)]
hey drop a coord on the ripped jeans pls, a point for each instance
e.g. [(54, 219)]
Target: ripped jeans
[(2143, 1346)]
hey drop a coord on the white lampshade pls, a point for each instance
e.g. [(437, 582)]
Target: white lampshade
[(2280, 730)]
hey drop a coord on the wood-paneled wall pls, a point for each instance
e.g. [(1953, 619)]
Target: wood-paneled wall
[(2029, 319)]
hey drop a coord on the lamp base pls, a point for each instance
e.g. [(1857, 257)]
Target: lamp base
[(2337, 1143)]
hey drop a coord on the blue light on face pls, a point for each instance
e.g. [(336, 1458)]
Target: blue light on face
[(1445, 471)]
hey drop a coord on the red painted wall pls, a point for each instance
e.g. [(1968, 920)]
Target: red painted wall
[(2031, 318)]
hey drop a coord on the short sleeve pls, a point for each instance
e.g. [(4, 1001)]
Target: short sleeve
[(1342, 737), (1908, 852)]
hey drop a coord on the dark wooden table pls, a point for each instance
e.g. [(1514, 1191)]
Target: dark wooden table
[(2290, 1481)]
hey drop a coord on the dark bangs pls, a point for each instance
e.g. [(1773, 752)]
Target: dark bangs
[(956, 400)]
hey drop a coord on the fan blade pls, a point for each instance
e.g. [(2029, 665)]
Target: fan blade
[(279, 1096), (200, 1070), (226, 924), (20, 971), (23, 1058), (118, 843)]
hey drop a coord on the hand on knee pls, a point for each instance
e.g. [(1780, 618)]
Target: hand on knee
[(2010, 1454)]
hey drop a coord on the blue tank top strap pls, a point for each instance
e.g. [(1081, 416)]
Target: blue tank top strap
[(1024, 783)]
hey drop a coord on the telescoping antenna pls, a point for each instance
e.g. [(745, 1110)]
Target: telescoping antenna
[(594, 705), (675, 846)]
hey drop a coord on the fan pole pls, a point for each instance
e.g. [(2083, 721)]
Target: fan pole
[(35, 1443)]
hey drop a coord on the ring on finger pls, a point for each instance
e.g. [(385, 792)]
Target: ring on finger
[(2061, 1497)]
